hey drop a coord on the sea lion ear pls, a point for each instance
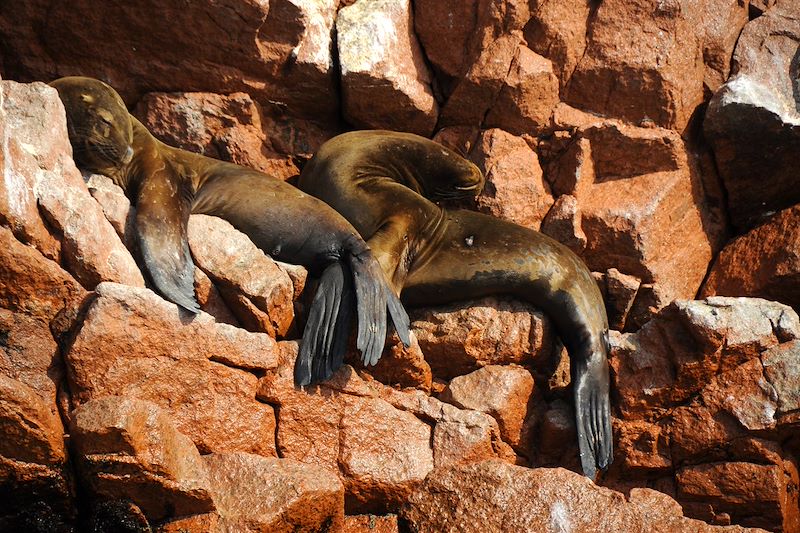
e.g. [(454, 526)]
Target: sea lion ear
[(162, 218), (88, 98)]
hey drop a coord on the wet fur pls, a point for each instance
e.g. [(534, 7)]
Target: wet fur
[(378, 180), (167, 184)]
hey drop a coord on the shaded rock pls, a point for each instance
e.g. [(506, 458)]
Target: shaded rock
[(385, 82), (258, 292), (722, 23), (503, 392), (467, 498), (32, 284), (264, 494), (370, 524), (642, 211), (641, 62), (128, 448), (459, 338), (782, 370), (41, 173), (753, 123), (277, 52), (751, 494), (765, 262), (515, 189), (621, 291), (223, 127), (133, 343), (563, 223), (527, 97), (398, 366), (116, 207)]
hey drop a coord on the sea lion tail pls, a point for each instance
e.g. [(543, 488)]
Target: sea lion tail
[(373, 298), (593, 415), (326, 333)]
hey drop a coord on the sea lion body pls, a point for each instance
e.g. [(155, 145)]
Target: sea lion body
[(167, 184), (431, 255)]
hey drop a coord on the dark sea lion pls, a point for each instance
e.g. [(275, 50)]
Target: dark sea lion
[(167, 184), (379, 180)]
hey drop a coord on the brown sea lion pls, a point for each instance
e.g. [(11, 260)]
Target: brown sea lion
[(379, 180), (167, 184)]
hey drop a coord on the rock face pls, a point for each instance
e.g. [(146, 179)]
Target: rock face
[(753, 121), (629, 130)]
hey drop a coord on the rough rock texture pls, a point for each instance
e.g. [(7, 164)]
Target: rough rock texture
[(765, 262), (276, 51), (707, 401), (385, 82), (130, 449), (753, 122), (265, 494), (466, 498), (135, 344)]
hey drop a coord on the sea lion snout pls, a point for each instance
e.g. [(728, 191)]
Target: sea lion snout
[(128, 155)]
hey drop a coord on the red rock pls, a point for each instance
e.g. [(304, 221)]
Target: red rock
[(116, 207), (257, 291), (765, 262), (558, 30), (515, 189), (528, 95), (385, 82), (503, 392), (32, 284), (642, 446), (640, 211), (744, 395), (370, 524), (135, 344), (460, 338), (276, 52), (751, 494), (723, 21), (211, 301), (493, 496), (399, 366), (563, 223), (226, 127), (31, 125), (642, 62), (755, 113), (621, 291), (265, 494), (698, 432), (556, 437), (130, 449)]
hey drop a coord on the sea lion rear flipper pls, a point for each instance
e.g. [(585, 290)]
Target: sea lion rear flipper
[(162, 216), (593, 417), (326, 332)]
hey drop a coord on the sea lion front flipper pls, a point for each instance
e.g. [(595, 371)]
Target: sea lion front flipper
[(162, 216), (593, 417)]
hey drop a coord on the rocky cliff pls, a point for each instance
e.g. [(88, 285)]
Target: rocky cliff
[(657, 139)]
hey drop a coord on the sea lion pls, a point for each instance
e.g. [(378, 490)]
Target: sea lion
[(167, 184), (379, 180)]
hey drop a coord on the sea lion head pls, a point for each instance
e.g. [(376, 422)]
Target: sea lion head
[(98, 124), (444, 175)]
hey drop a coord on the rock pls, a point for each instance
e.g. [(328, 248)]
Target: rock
[(459, 338), (563, 223), (129, 448), (750, 494), (753, 123), (467, 498), (782, 371), (278, 52), (258, 292), (135, 344), (34, 285), (686, 344), (44, 175), (370, 524), (765, 262), (515, 189), (503, 392), (398, 366), (723, 21), (641, 63), (385, 82), (116, 207), (528, 95), (265, 494), (621, 291), (640, 202), (351, 425), (225, 127)]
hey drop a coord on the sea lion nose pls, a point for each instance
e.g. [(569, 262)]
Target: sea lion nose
[(128, 155)]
